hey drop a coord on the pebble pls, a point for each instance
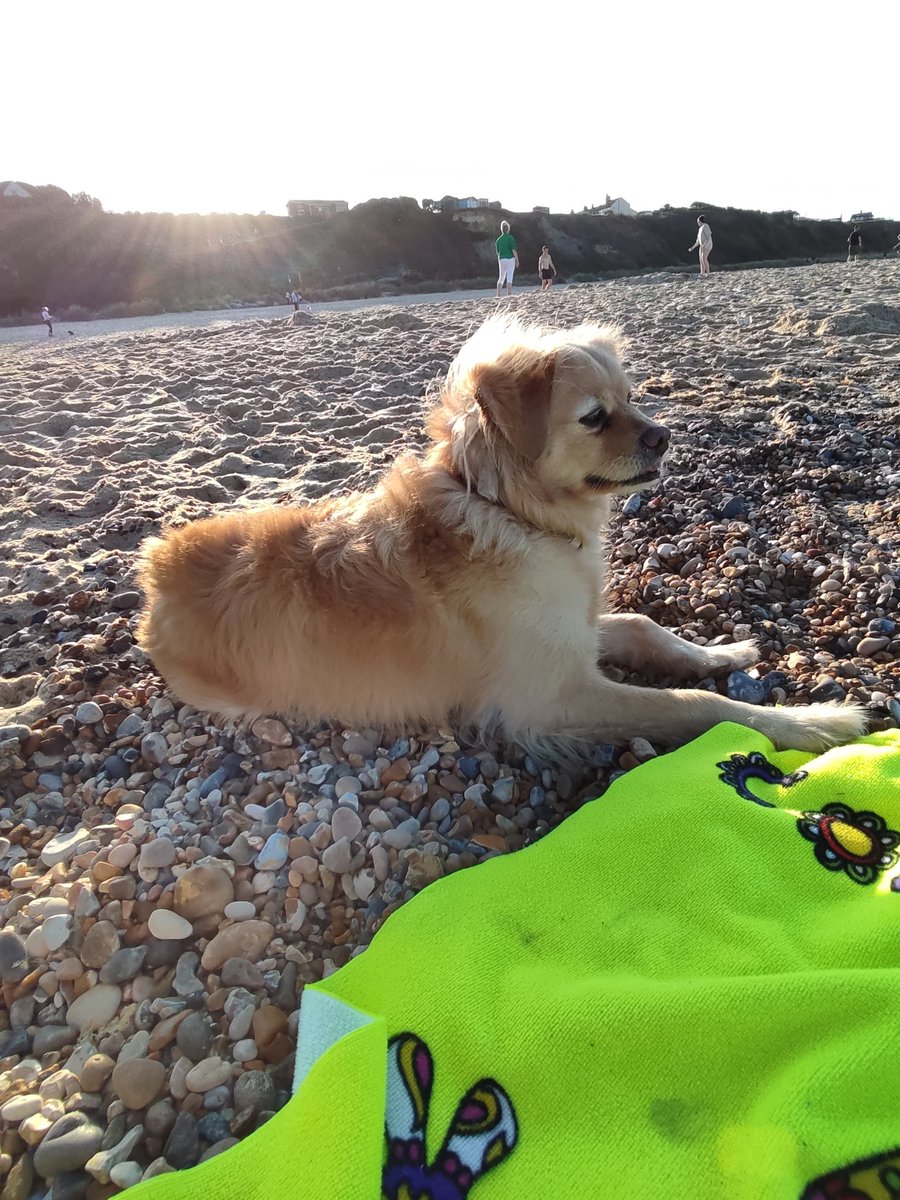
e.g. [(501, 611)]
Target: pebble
[(270, 730), (168, 926), (19, 1180), (101, 1164), (123, 965), (402, 836), (503, 789), (182, 1148), (468, 767), (254, 1090), (878, 627), (13, 958), (237, 972), (160, 852), (338, 857), (52, 1037), (827, 689), (95, 1072), (130, 726), (95, 1008), (872, 645), (248, 939), (100, 944), (345, 823), (745, 688), (123, 601), (138, 1082), (244, 1050), (210, 1073), (274, 853), (125, 1175), (240, 910), (19, 1108), (88, 713), (202, 891), (68, 1145), (64, 846), (186, 982)]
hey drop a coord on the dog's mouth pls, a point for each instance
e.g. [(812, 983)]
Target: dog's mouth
[(600, 483)]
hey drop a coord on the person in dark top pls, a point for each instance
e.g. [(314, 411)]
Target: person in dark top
[(854, 244)]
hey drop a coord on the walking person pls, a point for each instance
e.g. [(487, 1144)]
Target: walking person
[(854, 244), (546, 269), (507, 259), (704, 243), (295, 300), (47, 319)]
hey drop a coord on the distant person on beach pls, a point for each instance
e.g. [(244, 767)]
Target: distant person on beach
[(703, 243), (507, 259), (854, 244), (47, 319), (546, 269), (295, 299)]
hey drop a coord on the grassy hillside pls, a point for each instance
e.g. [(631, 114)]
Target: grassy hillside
[(68, 253)]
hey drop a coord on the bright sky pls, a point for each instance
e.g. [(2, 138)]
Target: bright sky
[(199, 107)]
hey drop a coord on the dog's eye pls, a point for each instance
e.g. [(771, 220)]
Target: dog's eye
[(596, 420)]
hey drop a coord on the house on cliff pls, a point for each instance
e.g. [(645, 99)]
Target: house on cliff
[(451, 204), (316, 208), (617, 208)]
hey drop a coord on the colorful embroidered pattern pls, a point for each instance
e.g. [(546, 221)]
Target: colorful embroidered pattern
[(876, 1178), (858, 843), (740, 768), (483, 1132)]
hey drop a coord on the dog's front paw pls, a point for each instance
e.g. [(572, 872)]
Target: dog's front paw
[(816, 727), (737, 656)]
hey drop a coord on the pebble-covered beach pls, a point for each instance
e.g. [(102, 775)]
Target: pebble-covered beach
[(169, 884)]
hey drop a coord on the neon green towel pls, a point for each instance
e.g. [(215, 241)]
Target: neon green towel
[(691, 989)]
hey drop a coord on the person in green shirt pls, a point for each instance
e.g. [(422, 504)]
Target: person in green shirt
[(507, 257)]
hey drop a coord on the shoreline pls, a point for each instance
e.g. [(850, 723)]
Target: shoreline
[(35, 332)]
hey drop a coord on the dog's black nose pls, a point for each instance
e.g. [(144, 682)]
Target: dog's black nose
[(656, 437)]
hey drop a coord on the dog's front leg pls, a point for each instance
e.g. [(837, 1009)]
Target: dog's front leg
[(614, 712), (637, 642)]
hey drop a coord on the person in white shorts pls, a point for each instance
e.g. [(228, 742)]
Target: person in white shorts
[(704, 243), (507, 259)]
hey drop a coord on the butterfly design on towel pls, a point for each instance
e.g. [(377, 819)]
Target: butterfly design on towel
[(740, 768), (876, 1178), (483, 1132)]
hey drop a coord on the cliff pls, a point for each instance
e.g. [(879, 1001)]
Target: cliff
[(66, 251)]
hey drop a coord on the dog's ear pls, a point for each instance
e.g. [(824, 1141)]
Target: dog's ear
[(515, 397)]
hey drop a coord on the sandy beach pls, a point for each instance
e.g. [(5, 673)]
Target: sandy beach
[(168, 885)]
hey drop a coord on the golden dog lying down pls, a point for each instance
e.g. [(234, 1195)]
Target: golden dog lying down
[(467, 585)]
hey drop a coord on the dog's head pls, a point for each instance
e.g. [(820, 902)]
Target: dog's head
[(530, 415)]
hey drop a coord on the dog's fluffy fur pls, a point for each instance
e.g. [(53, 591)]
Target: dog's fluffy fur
[(467, 585)]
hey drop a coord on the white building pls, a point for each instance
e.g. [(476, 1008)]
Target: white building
[(617, 208), (9, 187)]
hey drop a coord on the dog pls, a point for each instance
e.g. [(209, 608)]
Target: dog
[(467, 586)]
